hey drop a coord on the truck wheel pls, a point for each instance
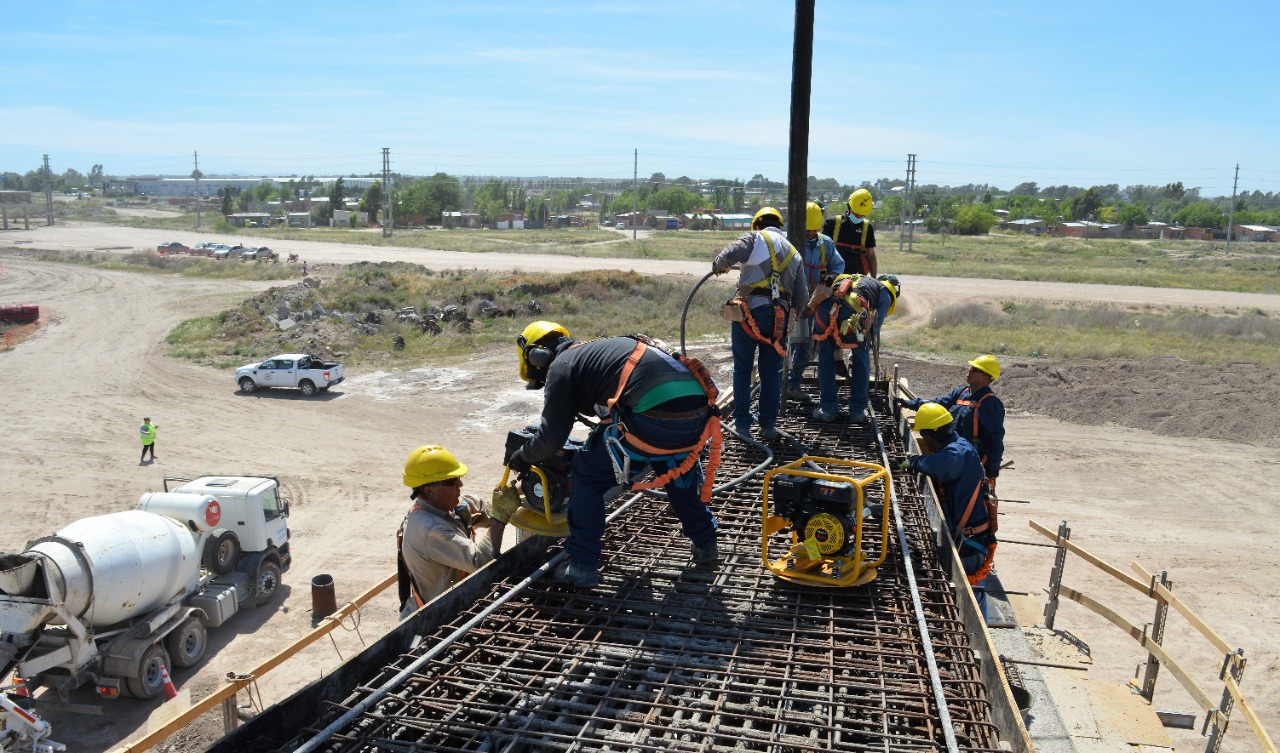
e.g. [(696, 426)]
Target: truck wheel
[(186, 645), (267, 583), (147, 682), (221, 551), (308, 387), (247, 385)]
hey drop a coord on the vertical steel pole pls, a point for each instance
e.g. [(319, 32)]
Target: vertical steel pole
[(1156, 636), (801, 83), (1233, 664), (1055, 578)]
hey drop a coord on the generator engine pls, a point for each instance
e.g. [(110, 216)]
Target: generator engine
[(820, 510), (556, 469)]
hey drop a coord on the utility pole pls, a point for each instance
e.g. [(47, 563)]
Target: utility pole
[(387, 224), (911, 200), (801, 83), (635, 191), (196, 174), (48, 193), (1230, 222)]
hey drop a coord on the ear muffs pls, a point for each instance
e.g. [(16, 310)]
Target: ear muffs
[(539, 357)]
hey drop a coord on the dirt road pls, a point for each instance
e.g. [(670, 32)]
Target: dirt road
[(72, 398)]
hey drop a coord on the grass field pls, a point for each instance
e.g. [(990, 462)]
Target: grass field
[(1099, 331)]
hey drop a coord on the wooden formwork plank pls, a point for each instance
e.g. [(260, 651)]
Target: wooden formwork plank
[(1249, 715), (1167, 596), (1156, 649), (1097, 562)]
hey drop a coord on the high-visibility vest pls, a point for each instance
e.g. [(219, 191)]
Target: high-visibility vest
[(148, 433), (774, 281)]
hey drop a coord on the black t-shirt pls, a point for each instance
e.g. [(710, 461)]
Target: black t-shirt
[(849, 244)]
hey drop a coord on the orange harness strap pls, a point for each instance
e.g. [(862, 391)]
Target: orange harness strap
[(968, 511), (711, 431), (976, 406), (779, 326)]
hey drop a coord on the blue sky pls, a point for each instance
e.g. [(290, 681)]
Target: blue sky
[(1001, 92)]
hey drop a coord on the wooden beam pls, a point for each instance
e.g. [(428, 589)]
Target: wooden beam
[(1097, 562), (1156, 649), (211, 701), (1167, 596), (1253, 719)]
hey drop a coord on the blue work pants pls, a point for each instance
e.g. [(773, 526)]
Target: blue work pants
[(592, 476), (744, 357)]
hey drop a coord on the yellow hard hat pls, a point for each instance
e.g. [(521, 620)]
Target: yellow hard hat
[(431, 463), (860, 202), (765, 212), (891, 282), (813, 216), (931, 416), (528, 342), (987, 365)]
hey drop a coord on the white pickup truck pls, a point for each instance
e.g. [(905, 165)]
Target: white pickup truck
[(306, 372)]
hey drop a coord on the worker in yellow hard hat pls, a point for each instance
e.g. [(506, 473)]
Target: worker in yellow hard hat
[(446, 535), (853, 234), (820, 262), (850, 320), (979, 413), (956, 472), (771, 290), (657, 411)]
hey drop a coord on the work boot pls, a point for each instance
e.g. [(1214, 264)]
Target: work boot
[(706, 557), (794, 393), (823, 416), (578, 577), (858, 418)]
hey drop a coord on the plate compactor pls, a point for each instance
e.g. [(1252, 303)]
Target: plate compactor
[(544, 489), (833, 539)]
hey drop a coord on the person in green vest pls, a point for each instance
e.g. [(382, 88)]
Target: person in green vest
[(148, 434)]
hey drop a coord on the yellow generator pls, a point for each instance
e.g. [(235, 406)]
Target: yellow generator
[(544, 489), (832, 542)]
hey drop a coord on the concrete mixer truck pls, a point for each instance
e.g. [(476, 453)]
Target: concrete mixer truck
[(114, 599)]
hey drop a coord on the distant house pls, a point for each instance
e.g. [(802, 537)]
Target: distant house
[(249, 219), (460, 219), (1029, 225), (1256, 233), (510, 221), (1086, 229)]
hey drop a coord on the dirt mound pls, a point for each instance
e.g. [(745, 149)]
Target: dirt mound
[(1239, 402)]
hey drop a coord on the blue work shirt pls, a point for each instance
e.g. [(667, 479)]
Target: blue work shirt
[(956, 468), (814, 252), (989, 436)]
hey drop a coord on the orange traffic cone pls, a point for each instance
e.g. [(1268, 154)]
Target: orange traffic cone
[(170, 692), (20, 687)]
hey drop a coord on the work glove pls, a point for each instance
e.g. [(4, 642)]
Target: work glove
[(899, 403), (905, 465), (505, 501), (519, 464)]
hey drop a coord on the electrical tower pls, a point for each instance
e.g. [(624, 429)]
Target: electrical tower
[(195, 173), (388, 223), (911, 204), (1231, 219), (48, 193)]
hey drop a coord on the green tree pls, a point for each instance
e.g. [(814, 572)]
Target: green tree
[(673, 200), (96, 176), (337, 196), (974, 219), (371, 202), (1200, 214), (1086, 204), (227, 206), (1131, 215)]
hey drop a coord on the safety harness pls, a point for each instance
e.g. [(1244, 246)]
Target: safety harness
[(404, 578), (624, 446), (968, 401), (990, 526), (860, 249), (859, 322), (776, 289)]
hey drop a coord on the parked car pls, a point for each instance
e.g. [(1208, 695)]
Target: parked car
[(306, 372), (257, 253), (203, 249), (219, 250), (173, 247)]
